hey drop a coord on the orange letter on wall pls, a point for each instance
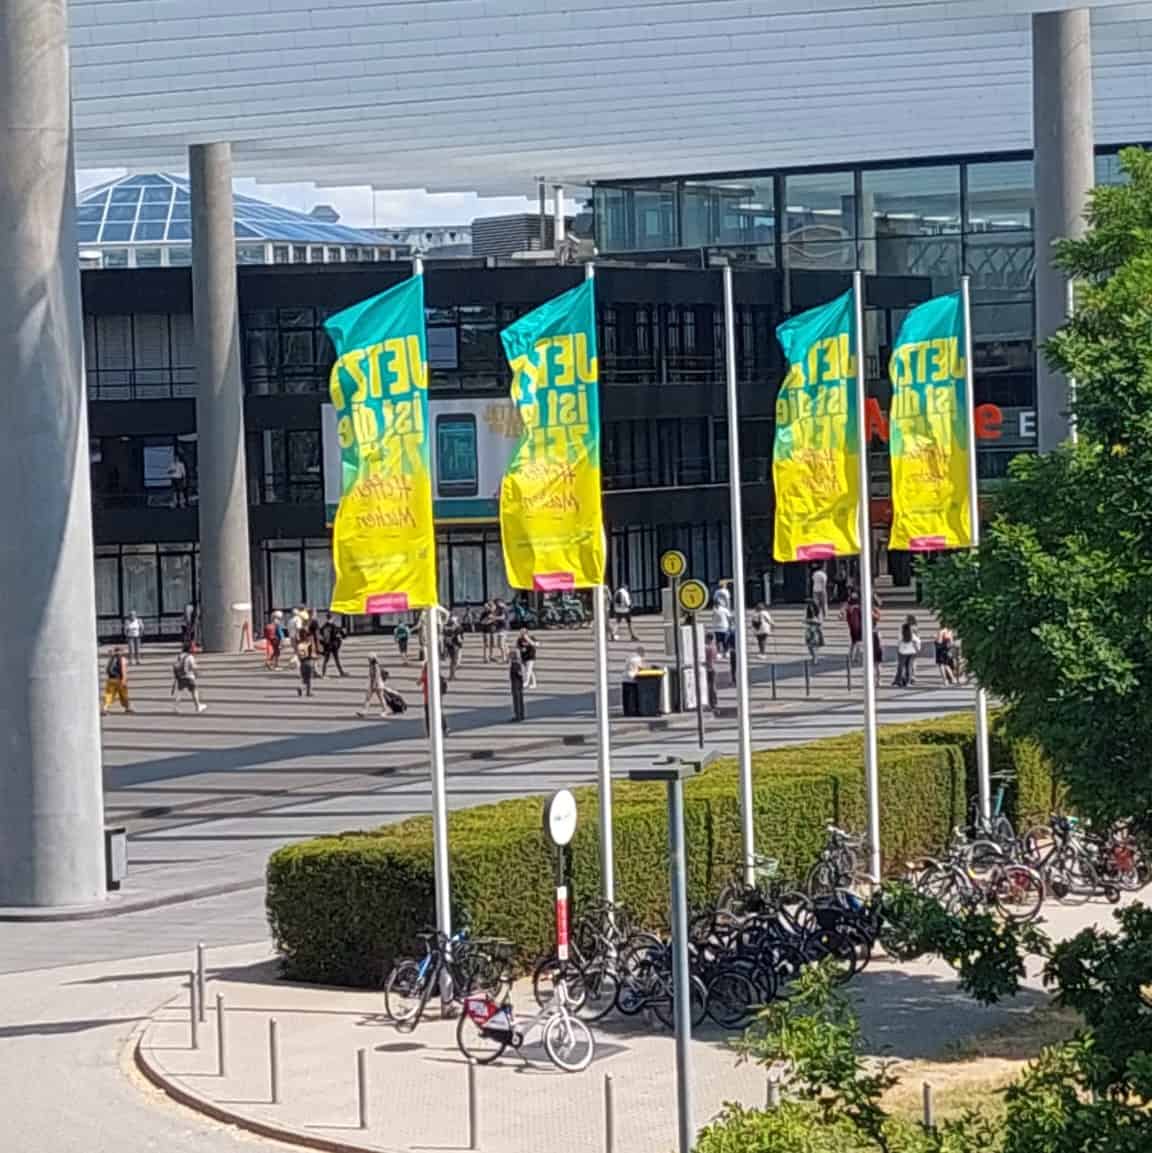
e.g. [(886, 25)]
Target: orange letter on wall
[(875, 422)]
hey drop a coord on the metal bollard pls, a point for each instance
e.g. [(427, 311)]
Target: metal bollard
[(929, 1109), (221, 1065), (807, 678), (772, 670), (273, 1061), (609, 1114), (773, 1093), (200, 981), (848, 669), (473, 1109), (193, 1015), (362, 1086)]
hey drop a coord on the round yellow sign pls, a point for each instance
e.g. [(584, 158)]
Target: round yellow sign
[(693, 596), (673, 563)]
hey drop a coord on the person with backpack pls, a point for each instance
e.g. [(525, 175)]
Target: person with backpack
[(273, 638), (761, 621), (500, 630), (621, 611), (306, 654), (332, 638), (402, 634), (453, 643), (526, 647), (116, 683), (184, 680)]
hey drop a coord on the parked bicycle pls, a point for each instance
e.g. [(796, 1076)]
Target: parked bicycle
[(838, 865), (468, 964)]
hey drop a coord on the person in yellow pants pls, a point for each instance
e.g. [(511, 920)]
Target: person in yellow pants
[(116, 682)]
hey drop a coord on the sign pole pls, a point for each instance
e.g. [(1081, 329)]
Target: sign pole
[(983, 752), (600, 596), (696, 682), (871, 753), (739, 608), (677, 647)]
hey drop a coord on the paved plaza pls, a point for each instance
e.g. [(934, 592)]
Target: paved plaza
[(207, 797)]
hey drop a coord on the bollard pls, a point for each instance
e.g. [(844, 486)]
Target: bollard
[(807, 678), (473, 1109), (848, 670), (773, 1093), (273, 1061), (220, 1062), (362, 1086), (929, 1110), (772, 669), (200, 982), (193, 1015), (609, 1115)]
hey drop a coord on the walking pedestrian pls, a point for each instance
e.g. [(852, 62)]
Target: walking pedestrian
[(376, 681), (332, 637), (189, 626), (761, 621), (516, 683), (306, 656), (133, 632), (711, 652), (487, 632), (293, 628), (621, 612), (877, 652), (423, 681), (907, 649), (722, 595), (453, 643), (273, 639), (185, 680), (721, 623), (854, 618), (946, 655), (820, 590), (116, 682), (500, 629), (402, 633), (813, 630), (526, 647)]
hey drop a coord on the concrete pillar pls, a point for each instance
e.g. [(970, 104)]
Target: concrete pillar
[(1064, 173), (558, 218), (51, 803), (225, 584)]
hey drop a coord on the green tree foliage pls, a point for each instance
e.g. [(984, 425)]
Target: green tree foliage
[(1055, 612)]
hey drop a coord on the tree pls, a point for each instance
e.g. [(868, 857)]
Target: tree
[(1055, 611)]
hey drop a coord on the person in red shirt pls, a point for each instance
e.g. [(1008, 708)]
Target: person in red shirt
[(853, 616)]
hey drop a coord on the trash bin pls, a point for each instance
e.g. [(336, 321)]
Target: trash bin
[(115, 857), (651, 693)]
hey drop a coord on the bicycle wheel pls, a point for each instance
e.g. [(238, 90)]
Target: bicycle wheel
[(663, 1003), (821, 879), (1071, 878), (732, 999), (569, 1043), (1017, 892), (481, 1043), (601, 987), (545, 976), (403, 991)]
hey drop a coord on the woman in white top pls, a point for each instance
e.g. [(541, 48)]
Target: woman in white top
[(722, 624), (761, 621), (907, 649)]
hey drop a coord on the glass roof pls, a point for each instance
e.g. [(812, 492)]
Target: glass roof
[(156, 209)]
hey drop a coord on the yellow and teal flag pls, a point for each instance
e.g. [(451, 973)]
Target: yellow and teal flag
[(929, 429), (551, 523), (816, 460), (383, 539)]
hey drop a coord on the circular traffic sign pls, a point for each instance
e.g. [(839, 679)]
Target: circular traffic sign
[(560, 817), (693, 596), (673, 563)]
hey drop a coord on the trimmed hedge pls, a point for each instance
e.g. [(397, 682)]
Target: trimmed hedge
[(342, 907)]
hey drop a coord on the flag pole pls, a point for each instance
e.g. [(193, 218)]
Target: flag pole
[(744, 720), (436, 745), (871, 757), (603, 734), (983, 752)]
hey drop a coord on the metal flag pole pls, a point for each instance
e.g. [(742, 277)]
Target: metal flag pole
[(436, 746), (983, 752), (739, 608), (871, 757), (603, 734)]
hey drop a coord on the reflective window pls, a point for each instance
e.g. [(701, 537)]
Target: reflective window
[(728, 212), (636, 218), (1108, 170), (154, 581), (250, 254), (280, 254), (1000, 264), (910, 201), (139, 356), (1000, 196), (819, 206)]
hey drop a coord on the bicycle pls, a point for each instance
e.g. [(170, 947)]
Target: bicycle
[(487, 1027), (837, 866), (998, 828), (738, 898), (468, 964)]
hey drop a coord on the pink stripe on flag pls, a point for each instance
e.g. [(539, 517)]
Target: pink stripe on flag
[(387, 603), (551, 582), (815, 552)]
